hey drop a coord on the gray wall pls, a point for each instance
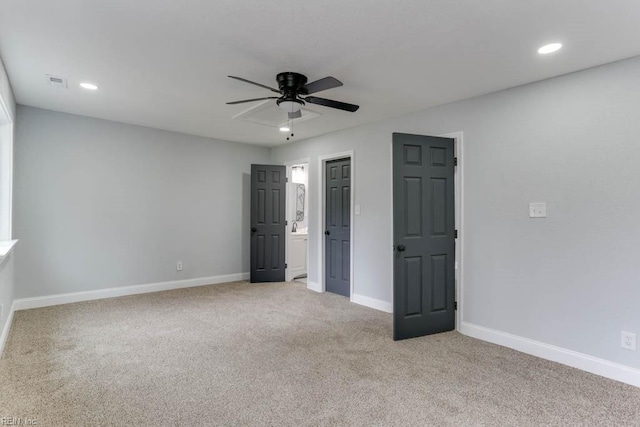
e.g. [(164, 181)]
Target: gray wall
[(569, 280), (102, 204)]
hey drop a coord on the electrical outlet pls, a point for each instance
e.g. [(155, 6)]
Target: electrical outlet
[(628, 340), (179, 266)]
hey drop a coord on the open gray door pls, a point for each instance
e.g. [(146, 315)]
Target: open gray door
[(424, 236), (268, 223)]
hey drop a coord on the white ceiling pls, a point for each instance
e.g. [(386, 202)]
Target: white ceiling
[(164, 63)]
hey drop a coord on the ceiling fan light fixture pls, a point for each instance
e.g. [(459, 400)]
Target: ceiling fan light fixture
[(284, 129), (290, 106)]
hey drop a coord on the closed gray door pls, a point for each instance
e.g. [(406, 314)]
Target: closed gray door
[(424, 236), (267, 223), (338, 227)]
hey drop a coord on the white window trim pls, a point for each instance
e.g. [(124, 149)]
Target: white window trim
[(6, 180)]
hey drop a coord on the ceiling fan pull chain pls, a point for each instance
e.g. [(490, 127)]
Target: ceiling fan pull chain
[(291, 119), (290, 123)]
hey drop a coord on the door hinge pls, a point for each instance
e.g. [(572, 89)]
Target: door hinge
[(286, 179), (286, 223), (455, 161), (285, 265), (455, 305), (455, 234)]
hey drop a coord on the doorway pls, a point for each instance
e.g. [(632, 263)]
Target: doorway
[(297, 247)]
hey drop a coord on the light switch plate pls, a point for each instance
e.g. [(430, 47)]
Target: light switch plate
[(537, 210)]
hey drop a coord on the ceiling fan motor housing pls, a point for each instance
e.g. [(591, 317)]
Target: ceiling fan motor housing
[(292, 83), (291, 86)]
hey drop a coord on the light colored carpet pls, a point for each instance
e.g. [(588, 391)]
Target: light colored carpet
[(278, 354)]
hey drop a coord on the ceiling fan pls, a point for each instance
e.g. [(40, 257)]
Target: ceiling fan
[(294, 93)]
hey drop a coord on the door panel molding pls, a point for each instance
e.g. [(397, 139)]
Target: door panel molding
[(321, 220)]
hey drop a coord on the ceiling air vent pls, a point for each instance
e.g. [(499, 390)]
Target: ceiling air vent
[(269, 114), (60, 82)]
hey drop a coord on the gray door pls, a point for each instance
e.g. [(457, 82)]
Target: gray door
[(424, 236), (267, 223), (338, 227)]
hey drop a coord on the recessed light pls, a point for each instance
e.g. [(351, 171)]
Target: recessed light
[(89, 86), (549, 48), (284, 129)]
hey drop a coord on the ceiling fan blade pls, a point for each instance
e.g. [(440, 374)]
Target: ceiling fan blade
[(322, 84), (295, 114), (251, 100), (330, 103), (254, 83)]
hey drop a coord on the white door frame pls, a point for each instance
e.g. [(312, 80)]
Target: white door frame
[(458, 179), (322, 161), (288, 216)]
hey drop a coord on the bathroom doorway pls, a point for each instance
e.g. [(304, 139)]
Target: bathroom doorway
[(297, 214)]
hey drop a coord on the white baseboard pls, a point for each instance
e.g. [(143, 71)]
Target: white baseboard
[(49, 300), (372, 303), (313, 286), (6, 329), (602, 367)]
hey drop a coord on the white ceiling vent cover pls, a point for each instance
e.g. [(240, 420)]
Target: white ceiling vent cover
[(268, 113), (56, 81)]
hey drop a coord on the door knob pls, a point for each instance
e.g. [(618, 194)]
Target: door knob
[(401, 248), (327, 232), (253, 229)]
